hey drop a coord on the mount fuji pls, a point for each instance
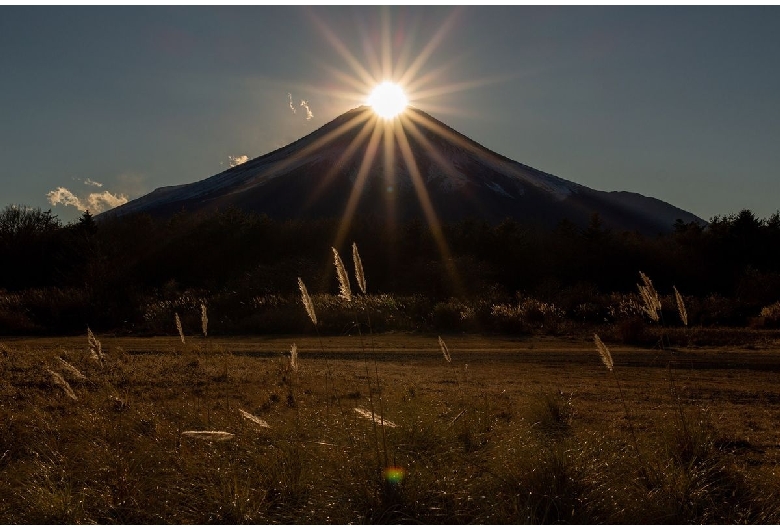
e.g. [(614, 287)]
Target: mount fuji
[(413, 166)]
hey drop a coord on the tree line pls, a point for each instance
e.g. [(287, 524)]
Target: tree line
[(106, 272)]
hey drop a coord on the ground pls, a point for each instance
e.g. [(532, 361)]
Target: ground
[(513, 429)]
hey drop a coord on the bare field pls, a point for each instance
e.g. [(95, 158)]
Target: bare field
[(512, 430)]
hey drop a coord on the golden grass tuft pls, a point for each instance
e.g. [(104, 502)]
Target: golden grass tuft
[(307, 303), (341, 272), (606, 357), (359, 275)]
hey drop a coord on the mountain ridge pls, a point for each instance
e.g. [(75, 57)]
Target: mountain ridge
[(424, 165)]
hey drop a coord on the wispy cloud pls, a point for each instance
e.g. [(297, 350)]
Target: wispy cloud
[(305, 105), (237, 160), (94, 202), (292, 107), (90, 182)]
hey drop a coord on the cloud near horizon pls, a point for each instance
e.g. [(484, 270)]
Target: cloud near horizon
[(94, 202), (237, 160)]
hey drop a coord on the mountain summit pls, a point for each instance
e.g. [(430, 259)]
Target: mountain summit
[(414, 166)]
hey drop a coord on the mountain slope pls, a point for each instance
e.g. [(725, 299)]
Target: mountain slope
[(414, 166)]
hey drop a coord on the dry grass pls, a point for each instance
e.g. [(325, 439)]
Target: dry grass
[(533, 435)]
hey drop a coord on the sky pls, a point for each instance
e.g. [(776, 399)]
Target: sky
[(677, 103)]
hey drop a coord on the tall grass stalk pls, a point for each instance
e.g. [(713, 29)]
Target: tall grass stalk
[(360, 278), (178, 327), (650, 299), (445, 350), (606, 358), (681, 306), (204, 320), (309, 306), (341, 273), (95, 348), (60, 382), (71, 370)]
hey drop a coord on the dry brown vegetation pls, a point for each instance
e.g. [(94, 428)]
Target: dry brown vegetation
[(512, 430)]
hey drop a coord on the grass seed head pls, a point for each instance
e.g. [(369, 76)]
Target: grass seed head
[(254, 419), (606, 357), (60, 382), (95, 349), (359, 276), (445, 350), (681, 306), (651, 301), (211, 436), (307, 302), (71, 370), (341, 272), (294, 357), (178, 327), (363, 413), (204, 320)]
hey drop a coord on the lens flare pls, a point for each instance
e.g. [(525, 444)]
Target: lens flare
[(393, 475), (388, 100)]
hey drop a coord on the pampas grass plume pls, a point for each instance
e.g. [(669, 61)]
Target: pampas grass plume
[(60, 382), (211, 436), (359, 276), (204, 319), (95, 349), (71, 370), (294, 357), (681, 306), (445, 350), (254, 419), (369, 416), (178, 327), (341, 272), (307, 302), (606, 357), (652, 303)]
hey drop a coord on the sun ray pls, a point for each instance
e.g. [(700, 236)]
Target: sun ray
[(361, 72), (389, 172), (284, 163), (387, 45), (427, 207), (426, 122), (348, 153), (406, 51), (455, 87), (423, 56), (420, 81), (433, 152), (346, 78), (360, 181)]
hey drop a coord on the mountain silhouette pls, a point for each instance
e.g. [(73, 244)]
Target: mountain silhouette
[(414, 166)]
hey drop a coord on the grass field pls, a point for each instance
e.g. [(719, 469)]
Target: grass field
[(512, 430)]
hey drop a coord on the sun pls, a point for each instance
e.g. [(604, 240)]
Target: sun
[(388, 100)]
